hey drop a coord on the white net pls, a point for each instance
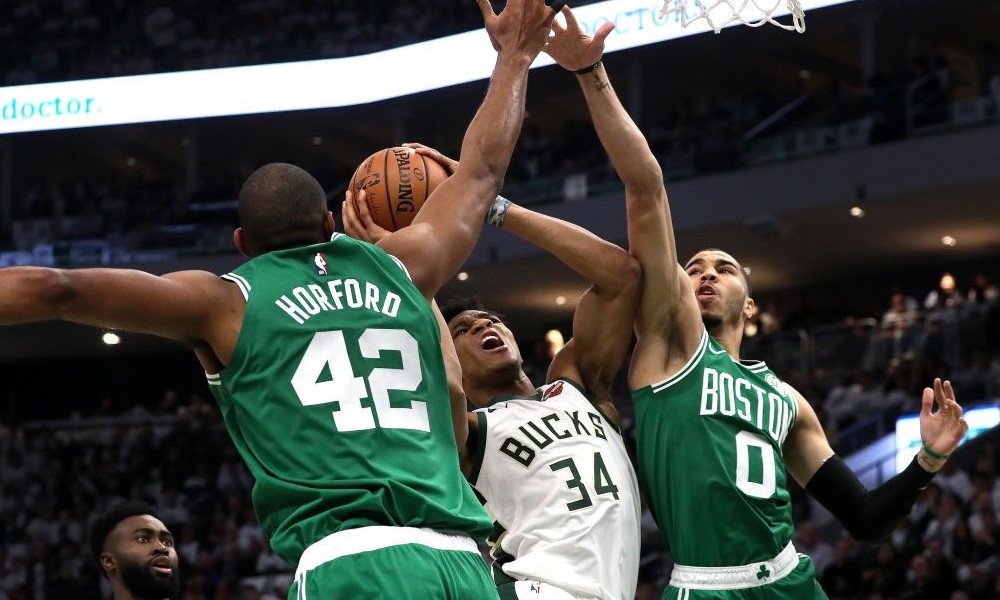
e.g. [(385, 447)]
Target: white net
[(720, 13)]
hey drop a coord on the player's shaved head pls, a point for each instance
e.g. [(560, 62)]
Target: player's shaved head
[(281, 206)]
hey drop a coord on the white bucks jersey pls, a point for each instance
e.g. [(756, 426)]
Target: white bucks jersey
[(562, 492)]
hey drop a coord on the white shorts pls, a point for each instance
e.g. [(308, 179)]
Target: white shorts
[(535, 590)]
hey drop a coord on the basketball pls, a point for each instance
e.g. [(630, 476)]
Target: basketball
[(397, 182)]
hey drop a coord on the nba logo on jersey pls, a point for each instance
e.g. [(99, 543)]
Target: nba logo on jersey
[(320, 264), (536, 587)]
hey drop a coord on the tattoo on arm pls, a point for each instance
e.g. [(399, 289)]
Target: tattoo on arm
[(600, 84)]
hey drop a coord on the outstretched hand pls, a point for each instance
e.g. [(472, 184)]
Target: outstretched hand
[(358, 222), (573, 49), (520, 28), (941, 431)]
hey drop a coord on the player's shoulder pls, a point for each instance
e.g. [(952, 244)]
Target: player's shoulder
[(204, 279), (565, 387)]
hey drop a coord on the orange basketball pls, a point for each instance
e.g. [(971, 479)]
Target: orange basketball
[(397, 182)]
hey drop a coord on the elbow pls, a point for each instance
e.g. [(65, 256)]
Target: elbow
[(629, 275), (457, 394), (54, 290), (481, 182), (487, 170), (646, 181)]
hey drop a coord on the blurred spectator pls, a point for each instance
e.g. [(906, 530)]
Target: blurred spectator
[(770, 317), (897, 325), (809, 542), (842, 578), (945, 296)]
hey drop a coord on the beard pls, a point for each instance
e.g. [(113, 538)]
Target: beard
[(147, 585), (711, 321)]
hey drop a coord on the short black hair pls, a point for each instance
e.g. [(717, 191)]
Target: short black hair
[(104, 523), (281, 206), (457, 305)]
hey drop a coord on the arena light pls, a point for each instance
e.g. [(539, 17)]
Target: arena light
[(111, 338), (310, 84)]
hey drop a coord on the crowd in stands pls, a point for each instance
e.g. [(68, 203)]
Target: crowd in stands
[(689, 138), (80, 39), (867, 368), (174, 454), (711, 132)]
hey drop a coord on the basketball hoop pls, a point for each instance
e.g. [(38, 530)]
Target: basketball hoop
[(720, 13)]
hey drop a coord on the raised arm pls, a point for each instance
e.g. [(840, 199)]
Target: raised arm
[(602, 323), (180, 306), (668, 312), (871, 515), (445, 230)]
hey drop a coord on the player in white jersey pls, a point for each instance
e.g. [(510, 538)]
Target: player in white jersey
[(550, 462)]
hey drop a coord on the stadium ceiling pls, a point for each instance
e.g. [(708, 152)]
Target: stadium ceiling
[(294, 85)]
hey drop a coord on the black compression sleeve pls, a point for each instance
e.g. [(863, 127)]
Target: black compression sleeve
[(869, 516)]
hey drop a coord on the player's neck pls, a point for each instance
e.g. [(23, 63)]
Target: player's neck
[(515, 384), (123, 593), (729, 338)]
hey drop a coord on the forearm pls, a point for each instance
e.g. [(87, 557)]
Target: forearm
[(598, 261), (624, 143), (445, 230), (491, 136), (868, 515), (31, 294), (453, 371)]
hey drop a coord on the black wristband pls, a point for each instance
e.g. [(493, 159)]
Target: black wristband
[(589, 69)]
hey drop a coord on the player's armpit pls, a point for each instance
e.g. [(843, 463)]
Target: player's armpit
[(668, 333)]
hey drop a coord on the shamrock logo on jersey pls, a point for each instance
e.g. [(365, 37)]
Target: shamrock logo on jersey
[(320, 264), (763, 573), (776, 383)]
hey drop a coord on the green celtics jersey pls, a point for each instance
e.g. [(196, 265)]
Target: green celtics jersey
[(709, 453), (336, 398)]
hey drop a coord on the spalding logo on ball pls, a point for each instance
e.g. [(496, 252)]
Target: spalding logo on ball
[(397, 182)]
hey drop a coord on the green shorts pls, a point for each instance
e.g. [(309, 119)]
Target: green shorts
[(799, 584), (407, 571)]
